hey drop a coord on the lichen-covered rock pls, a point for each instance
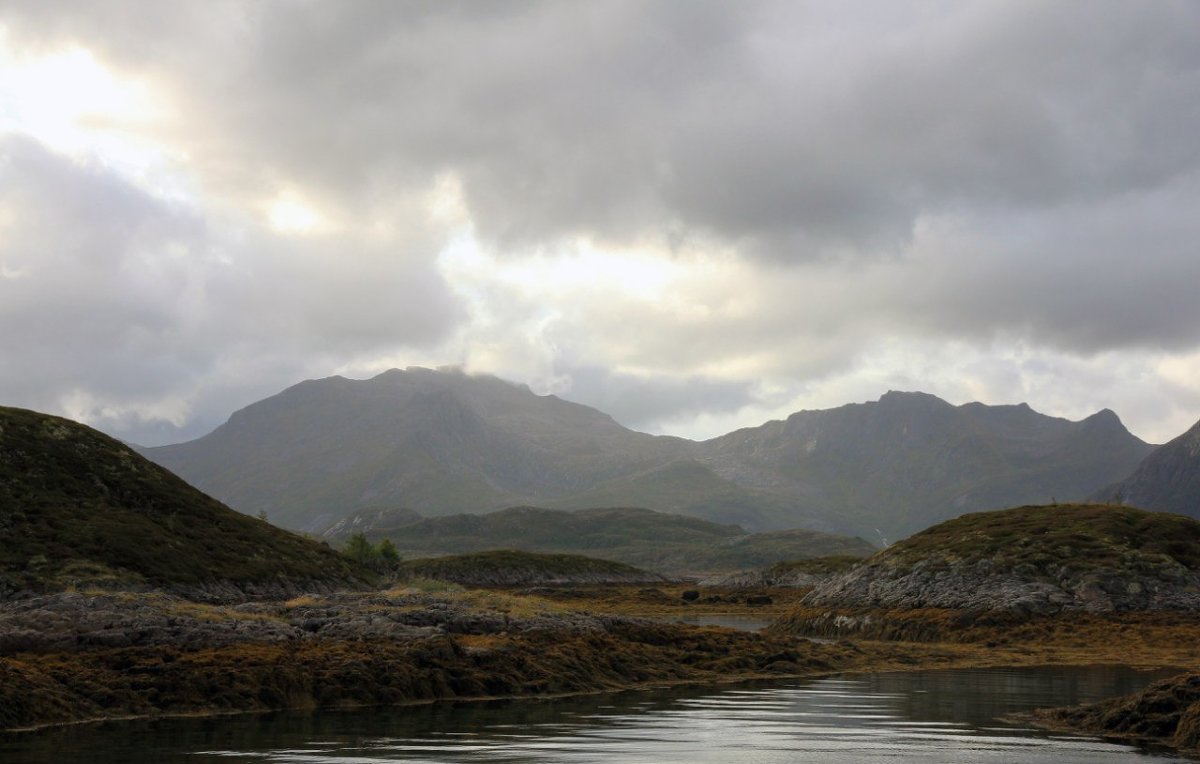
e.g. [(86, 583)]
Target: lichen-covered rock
[(977, 586), (1035, 560)]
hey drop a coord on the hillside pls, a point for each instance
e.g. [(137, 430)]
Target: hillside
[(1168, 480), (512, 568), (444, 442), (77, 507), (653, 540), (1035, 559)]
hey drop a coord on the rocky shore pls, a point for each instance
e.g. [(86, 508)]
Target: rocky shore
[(82, 656)]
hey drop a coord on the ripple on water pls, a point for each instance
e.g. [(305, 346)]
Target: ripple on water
[(937, 716)]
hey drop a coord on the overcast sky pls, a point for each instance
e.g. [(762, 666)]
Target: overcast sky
[(694, 216)]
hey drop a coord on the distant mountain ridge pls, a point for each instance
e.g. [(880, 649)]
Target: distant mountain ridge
[(1168, 480), (911, 459), (656, 541), (444, 442)]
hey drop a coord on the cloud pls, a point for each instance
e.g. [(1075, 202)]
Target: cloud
[(645, 402), (120, 307), (681, 211), (794, 129)]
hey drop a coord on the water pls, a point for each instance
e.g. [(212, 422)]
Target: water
[(931, 716)]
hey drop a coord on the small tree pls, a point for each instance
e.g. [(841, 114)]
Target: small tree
[(388, 555), (381, 557), (359, 549)]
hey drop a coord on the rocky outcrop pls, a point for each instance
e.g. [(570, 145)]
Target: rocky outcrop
[(980, 586), (1040, 560)]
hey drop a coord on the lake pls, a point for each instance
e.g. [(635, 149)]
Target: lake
[(925, 716)]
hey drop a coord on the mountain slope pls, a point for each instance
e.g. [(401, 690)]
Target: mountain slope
[(653, 540), (1168, 480), (911, 459), (77, 506), (443, 442)]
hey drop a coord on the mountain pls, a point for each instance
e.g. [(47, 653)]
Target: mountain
[(911, 459), (439, 442), (652, 540), (444, 442), (1168, 480), (77, 507)]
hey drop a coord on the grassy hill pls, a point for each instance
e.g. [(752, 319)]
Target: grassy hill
[(77, 507), (506, 567), (654, 540)]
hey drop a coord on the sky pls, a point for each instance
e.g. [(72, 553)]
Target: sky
[(695, 216)]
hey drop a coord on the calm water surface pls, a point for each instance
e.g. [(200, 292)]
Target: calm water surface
[(932, 716)]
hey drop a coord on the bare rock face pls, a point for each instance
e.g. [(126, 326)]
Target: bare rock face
[(978, 586)]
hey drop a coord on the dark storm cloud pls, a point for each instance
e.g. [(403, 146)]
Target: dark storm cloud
[(787, 125)]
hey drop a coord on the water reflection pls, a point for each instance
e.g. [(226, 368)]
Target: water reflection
[(944, 716)]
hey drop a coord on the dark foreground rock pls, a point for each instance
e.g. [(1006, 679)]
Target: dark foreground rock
[(1167, 712)]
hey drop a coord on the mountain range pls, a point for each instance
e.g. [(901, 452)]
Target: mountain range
[(442, 442)]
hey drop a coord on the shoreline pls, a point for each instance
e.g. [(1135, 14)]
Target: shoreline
[(1027, 718), (409, 648)]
